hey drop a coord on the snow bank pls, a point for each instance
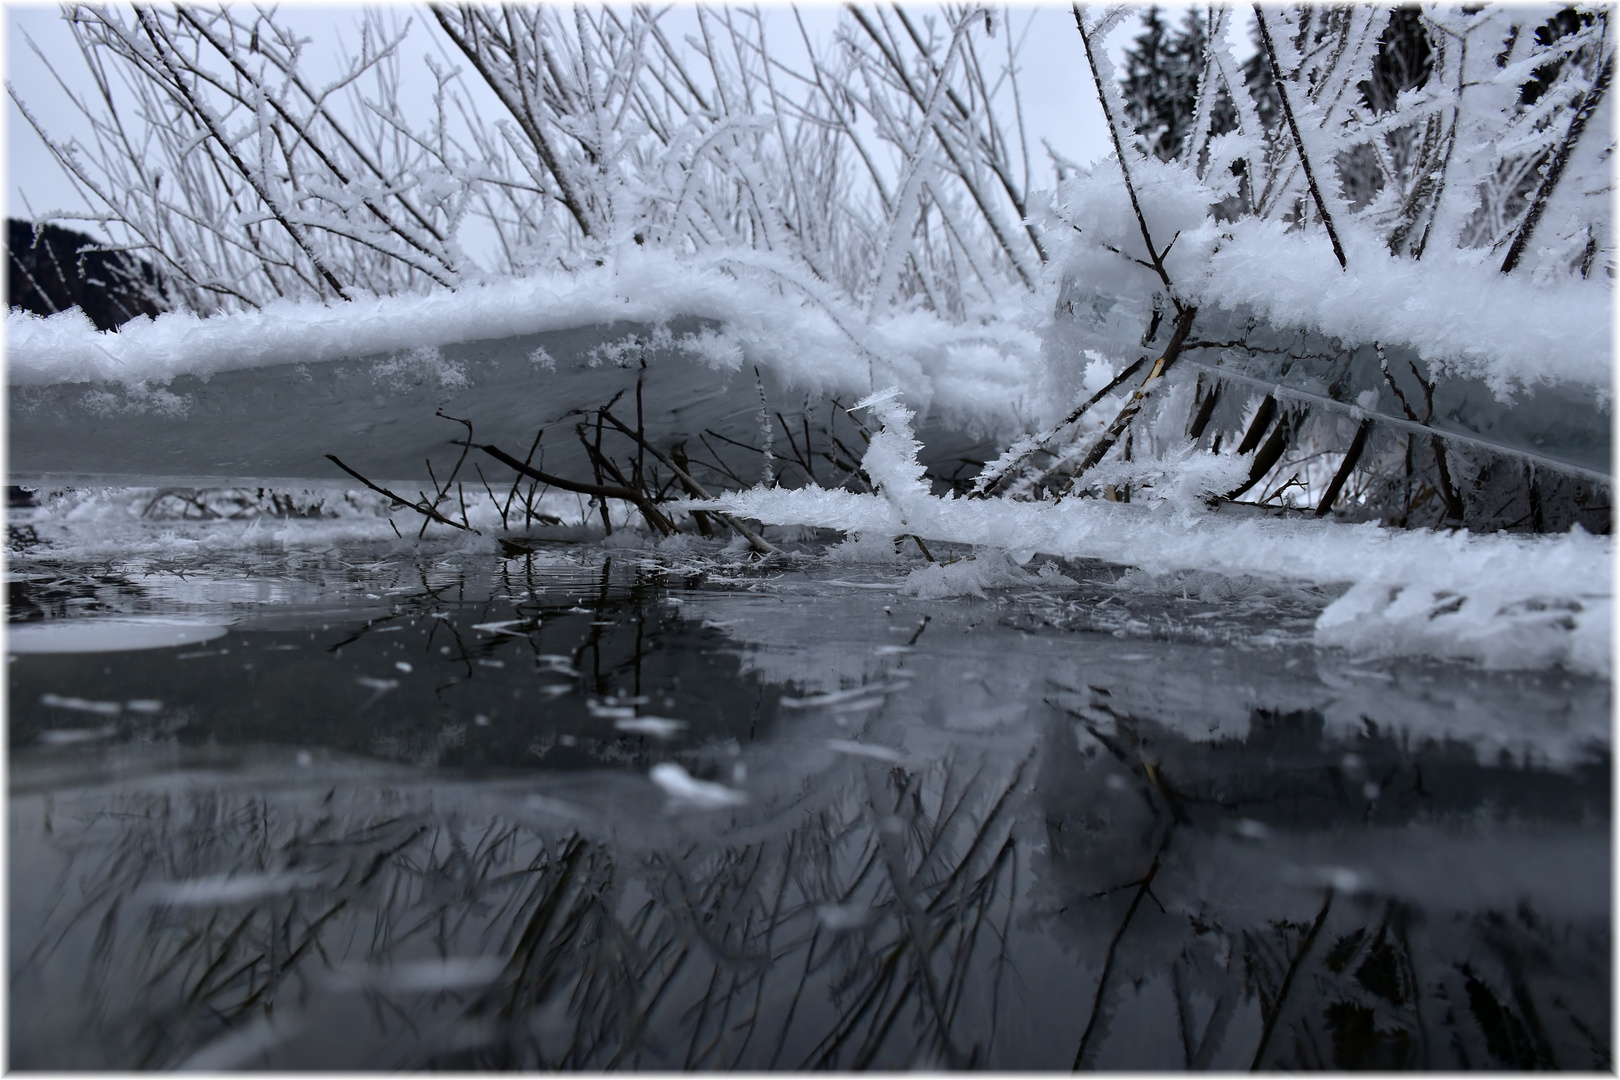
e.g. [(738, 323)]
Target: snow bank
[(765, 314)]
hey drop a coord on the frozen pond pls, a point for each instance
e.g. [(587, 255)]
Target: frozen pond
[(388, 807)]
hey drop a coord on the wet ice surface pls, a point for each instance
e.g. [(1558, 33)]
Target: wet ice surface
[(608, 808)]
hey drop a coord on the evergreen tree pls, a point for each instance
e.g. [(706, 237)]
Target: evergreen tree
[(1160, 89), (1161, 86)]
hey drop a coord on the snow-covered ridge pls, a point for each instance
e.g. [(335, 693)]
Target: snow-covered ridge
[(766, 313)]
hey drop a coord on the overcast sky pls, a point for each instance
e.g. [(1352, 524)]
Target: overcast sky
[(1060, 103)]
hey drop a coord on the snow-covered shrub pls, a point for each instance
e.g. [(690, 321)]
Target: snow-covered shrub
[(219, 158)]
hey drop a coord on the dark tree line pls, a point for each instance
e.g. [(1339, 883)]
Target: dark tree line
[(50, 269), (1164, 65)]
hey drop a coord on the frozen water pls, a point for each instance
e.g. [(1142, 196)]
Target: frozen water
[(848, 761)]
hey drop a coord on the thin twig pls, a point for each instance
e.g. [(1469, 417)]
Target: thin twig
[(422, 508), (756, 542)]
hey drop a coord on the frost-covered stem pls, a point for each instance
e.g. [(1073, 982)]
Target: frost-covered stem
[(211, 121), (1018, 100), (958, 165), (1119, 153), (991, 480), (470, 38), (1293, 128), (990, 157), (1198, 138), (1555, 168), (1178, 339), (307, 138), (766, 436)]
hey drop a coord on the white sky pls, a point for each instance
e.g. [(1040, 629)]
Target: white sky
[(1060, 103)]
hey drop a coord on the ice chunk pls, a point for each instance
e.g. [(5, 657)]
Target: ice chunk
[(422, 976), (100, 708), (227, 888), (657, 726), (107, 635), (857, 749), (68, 736), (838, 697), (838, 917), (504, 627), (686, 792)]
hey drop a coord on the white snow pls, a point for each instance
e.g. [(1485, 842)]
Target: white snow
[(1457, 310), (967, 371), (1454, 306)]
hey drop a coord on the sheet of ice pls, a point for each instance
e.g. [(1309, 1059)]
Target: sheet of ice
[(658, 727), (108, 635)]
